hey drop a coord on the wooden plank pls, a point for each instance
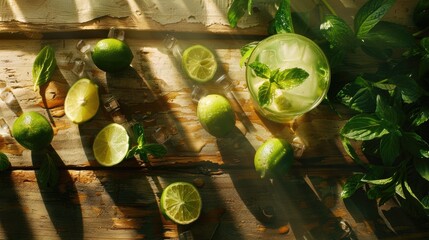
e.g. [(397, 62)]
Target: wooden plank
[(155, 87), (115, 204), (38, 19)]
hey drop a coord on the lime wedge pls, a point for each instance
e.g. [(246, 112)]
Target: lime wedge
[(111, 145), (199, 63), (181, 202), (82, 101)]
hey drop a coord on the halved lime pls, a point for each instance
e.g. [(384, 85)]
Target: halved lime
[(181, 202), (111, 145), (199, 63), (82, 101)]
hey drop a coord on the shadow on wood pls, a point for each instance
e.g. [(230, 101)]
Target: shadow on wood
[(61, 201)]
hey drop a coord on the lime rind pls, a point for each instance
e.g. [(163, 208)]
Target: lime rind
[(111, 145), (181, 202)]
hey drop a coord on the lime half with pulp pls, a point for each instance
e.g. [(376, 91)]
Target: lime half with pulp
[(199, 63), (111, 145), (82, 101), (181, 202)]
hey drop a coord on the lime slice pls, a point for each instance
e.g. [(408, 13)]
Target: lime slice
[(181, 203), (199, 63), (111, 145), (82, 101)]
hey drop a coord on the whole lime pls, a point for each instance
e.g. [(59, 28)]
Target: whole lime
[(33, 131), (112, 55), (273, 158), (216, 115)]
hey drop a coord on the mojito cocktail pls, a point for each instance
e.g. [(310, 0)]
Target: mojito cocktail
[(287, 75)]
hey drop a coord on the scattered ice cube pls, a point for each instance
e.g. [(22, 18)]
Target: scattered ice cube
[(116, 33)]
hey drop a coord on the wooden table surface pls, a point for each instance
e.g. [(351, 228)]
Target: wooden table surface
[(121, 202)]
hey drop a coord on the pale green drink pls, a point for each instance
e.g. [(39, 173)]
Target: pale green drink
[(286, 51)]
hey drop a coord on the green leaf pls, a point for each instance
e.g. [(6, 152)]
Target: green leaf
[(424, 42), (352, 184), (412, 203), (421, 14), (246, 51), (283, 18), (336, 31), (237, 10), (390, 148), (425, 202), (351, 151), (364, 127), (154, 149), (138, 131), (422, 167), (261, 70), (388, 35), (379, 181), (141, 141), (375, 192), (370, 14), (132, 152), (409, 89), (48, 174), (44, 66), (289, 78), (264, 93), (359, 95), (424, 66), (415, 144), (419, 116), (385, 111), (4, 162), (250, 7)]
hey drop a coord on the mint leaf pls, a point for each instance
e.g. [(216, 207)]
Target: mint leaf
[(388, 35), (132, 152), (352, 184), (48, 174), (142, 148), (409, 88), (283, 18), (351, 151), (422, 167), (264, 93), (261, 70), (364, 127), (370, 14), (246, 51), (419, 116), (336, 31), (4, 162), (289, 78), (359, 95), (414, 144), (237, 10), (425, 43), (154, 149), (424, 66), (390, 148), (385, 111), (421, 14), (383, 181), (44, 66)]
